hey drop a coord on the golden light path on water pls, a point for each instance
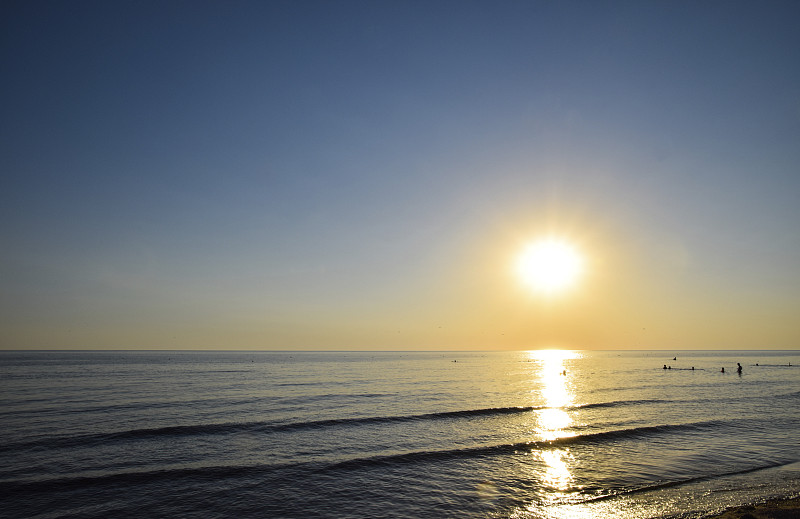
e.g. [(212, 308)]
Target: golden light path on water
[(553, 421), (559, 500)]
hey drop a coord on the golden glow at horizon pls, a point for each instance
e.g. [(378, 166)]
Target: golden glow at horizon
[(550, 265)]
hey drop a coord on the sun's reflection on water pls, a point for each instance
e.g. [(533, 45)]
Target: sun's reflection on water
[(558, 494), (553, 421), (557, 475), (555, 392)]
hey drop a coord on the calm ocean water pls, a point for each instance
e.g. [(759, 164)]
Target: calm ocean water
[(537, 434)]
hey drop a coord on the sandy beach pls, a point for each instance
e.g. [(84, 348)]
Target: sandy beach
[(773, 509)]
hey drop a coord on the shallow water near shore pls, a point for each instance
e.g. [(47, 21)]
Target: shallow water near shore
[(535, 434)]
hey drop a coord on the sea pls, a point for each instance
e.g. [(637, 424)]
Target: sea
[(522, 434)]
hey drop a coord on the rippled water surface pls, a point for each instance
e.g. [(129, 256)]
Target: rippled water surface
[(514, 434)]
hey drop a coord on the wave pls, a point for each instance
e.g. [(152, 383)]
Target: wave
[(669, 484), (793, 394), (251, 427), (267, 472), (89, 440), (622, 403), (514, 448)]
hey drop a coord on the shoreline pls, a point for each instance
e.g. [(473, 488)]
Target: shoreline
[(771, 509)]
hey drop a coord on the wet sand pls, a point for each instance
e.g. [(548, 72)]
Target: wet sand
[(781, 509)]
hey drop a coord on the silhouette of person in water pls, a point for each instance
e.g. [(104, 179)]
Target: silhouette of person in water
[(665, 366), (723, 370), (738, 368)]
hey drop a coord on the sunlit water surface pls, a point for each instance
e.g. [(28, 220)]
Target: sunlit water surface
[(540, 434)]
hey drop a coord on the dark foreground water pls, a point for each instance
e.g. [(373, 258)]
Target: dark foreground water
[(515, 434)]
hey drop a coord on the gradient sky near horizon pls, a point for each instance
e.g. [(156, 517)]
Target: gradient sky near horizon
[(362, 175)]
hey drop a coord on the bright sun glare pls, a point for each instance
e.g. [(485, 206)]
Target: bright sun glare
[(550, 265)]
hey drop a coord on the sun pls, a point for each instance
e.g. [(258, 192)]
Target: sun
[(550, 265)]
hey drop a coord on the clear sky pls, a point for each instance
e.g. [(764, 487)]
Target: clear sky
[(363, 175)]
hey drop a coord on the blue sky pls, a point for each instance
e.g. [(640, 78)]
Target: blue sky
[(360, 175)]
